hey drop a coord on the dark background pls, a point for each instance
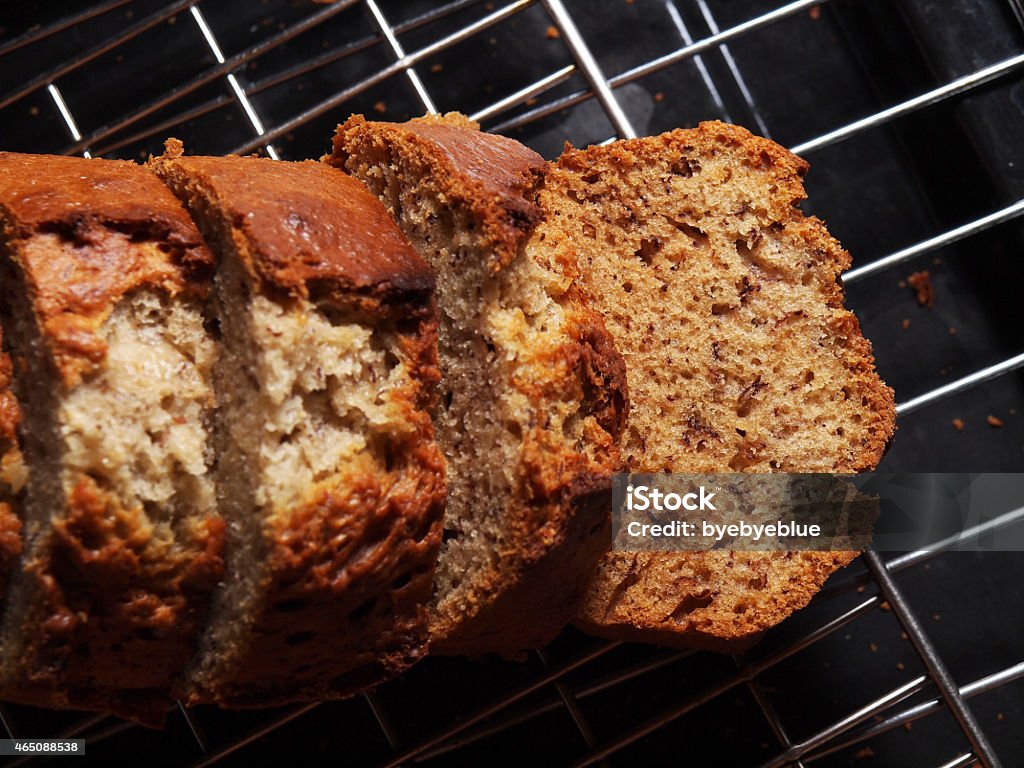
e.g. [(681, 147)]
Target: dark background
[(882, 190)]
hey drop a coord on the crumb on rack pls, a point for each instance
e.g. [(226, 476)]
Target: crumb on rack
[(815, 12), (873, 647), (864, 753), (884, 605), (958, 424), (921, 282), (436, 68), (659, 97), (380, 107), (900, 666), (994, 421), (905, 324), (908, 726), (552, 33)]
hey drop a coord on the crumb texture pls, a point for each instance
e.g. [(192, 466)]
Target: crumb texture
[(724, 300)]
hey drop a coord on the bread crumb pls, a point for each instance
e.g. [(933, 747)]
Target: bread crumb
[(552, 33), (936, 617), (815, 12), (884, 605), (873, 647), (900, 666), (908, 726), (864, 753), (901, 284), (958, 425), (921, 282), (380, 107), (904, 636), (952, 331), (905, 324), (33, 110), (659, 97), (994, 421), (936, 261), (999, 716), (861, 589), (436, 68), (531, 101)]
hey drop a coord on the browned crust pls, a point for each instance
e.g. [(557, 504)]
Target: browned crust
[(74, 288), (484, 174), (560, 524), (111, 605), (327, 238), (349, 575), (642, 597), (349, 571), (112, 611)]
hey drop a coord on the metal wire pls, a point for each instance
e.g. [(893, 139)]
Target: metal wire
[(841, 734)]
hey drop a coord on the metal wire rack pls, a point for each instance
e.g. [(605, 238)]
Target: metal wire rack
[(353, 55)]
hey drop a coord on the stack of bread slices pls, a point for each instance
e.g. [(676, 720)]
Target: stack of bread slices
[(273, 431)]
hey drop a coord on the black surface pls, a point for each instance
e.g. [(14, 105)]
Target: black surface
[(880, 191)]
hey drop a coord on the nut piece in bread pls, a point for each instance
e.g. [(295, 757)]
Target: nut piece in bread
[(328, 474), (533, 392), (725, 302), (104, 282)]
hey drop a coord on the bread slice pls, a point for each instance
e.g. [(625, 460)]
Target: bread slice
[(12, 475), (104, 281), (726, 304), (328, 474), (533, 392)]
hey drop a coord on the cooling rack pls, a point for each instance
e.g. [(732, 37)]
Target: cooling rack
[(876, 667)]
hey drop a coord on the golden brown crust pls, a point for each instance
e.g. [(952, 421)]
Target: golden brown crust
[(350, 573), (686, 599), (557, 524), (327, 237), (487, 175), (107, 592), (96, 211)]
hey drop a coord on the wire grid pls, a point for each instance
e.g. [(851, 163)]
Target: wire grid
[(870, 719)]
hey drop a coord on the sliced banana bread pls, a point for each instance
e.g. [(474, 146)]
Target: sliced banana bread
[(726, 304), (533, 392), (328, 475), (104, 281)]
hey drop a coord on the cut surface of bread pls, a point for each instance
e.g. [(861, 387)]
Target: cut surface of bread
[(532, 390), (104, 280), (725, 302), (328, 475)]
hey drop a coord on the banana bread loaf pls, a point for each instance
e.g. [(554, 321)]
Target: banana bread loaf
[(328, 474), (104, 280), (533, 393), (726, 304)]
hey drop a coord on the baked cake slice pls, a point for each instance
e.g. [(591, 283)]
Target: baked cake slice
[(328, 475), (104, 280), (726, 303), (532, 390)]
